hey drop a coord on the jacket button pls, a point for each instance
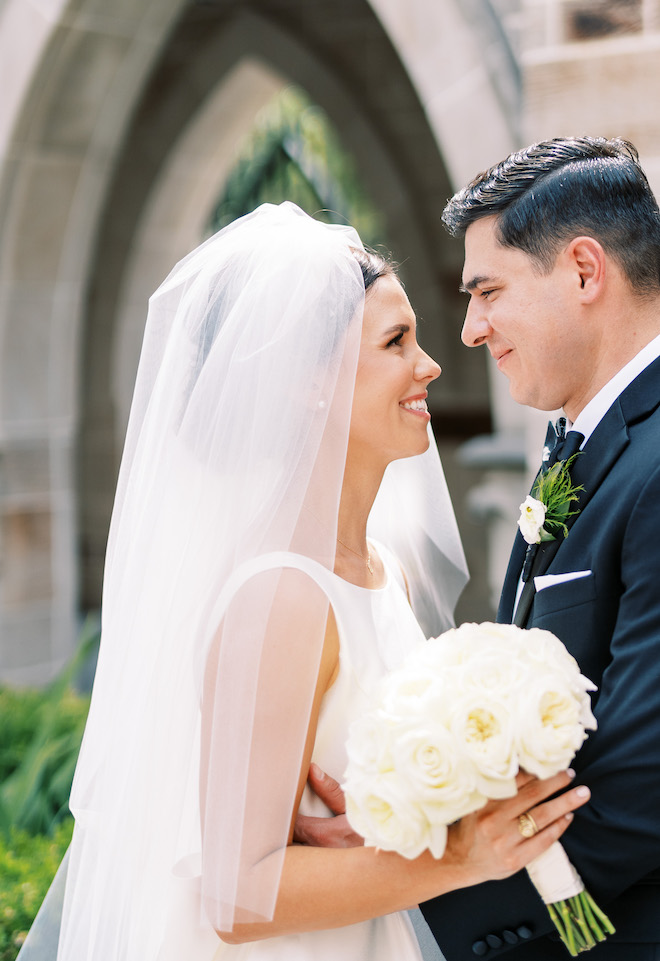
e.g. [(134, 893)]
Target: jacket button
[(493, 941), (510, 937), (524, 932), (480, 948)]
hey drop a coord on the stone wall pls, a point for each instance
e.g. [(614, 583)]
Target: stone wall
[(118, 123), (60, 125), (594, 67)]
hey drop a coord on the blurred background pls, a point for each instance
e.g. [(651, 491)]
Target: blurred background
[(131, 129)]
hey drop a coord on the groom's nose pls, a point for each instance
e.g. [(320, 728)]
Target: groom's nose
[(476, 328)]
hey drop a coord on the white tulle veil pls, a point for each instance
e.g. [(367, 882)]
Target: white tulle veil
[(235, 448)]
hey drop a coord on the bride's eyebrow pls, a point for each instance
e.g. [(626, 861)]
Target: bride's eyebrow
[(397, 329)]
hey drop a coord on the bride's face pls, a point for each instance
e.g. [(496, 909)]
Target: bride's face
[(389, 417)]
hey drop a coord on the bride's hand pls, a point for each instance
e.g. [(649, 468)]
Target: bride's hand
[(326, 832), (488, 844)]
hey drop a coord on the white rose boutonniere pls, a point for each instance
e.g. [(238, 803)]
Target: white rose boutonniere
[(532, 519), (544, 512)]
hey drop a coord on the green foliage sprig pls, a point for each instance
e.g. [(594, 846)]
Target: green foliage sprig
[(556, 490)]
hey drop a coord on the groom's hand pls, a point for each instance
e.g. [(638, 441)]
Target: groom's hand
[(334, 832)]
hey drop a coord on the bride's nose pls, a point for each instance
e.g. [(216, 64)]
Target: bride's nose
[(426, 368)]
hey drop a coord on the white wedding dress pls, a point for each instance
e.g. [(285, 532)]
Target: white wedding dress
[(376, 629)]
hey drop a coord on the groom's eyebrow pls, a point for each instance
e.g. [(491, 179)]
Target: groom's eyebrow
[(470, 285)]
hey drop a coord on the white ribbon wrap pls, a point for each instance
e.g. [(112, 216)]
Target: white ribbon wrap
[(553, 875)]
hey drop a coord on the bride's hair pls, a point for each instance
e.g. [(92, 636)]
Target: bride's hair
[(374, 266)]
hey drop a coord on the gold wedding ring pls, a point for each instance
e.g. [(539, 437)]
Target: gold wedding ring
[(527, 825)]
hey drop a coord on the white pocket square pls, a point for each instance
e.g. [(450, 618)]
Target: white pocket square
[(549, 580)]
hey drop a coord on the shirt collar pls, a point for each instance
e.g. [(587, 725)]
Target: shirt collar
[(590, 417)]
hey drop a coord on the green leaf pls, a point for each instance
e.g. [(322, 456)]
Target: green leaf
[(48, 726), (556, 491)]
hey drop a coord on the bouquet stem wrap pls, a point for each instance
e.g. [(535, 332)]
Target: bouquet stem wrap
[(578, 919)]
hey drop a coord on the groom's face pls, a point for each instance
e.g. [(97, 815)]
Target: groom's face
[(526, 319)]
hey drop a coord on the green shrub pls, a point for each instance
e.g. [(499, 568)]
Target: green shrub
[(19, 711), (27, 866), (40, 739), (39, 760), (40, 735)]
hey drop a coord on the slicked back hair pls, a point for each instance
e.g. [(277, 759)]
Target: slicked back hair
[(556, 190)]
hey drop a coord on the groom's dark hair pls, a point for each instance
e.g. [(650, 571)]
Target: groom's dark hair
[(553, 191)]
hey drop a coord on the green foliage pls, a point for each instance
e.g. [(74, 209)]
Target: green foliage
[(294, 153), (27, 866), (40, 735), (40, 739), (555, 489)]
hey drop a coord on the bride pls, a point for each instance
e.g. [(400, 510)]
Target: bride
[(280, 514)]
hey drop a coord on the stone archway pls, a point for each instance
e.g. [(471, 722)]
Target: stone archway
[(97, 142), (59, 133)]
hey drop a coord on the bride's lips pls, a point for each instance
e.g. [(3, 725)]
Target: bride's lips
[(416, 405)]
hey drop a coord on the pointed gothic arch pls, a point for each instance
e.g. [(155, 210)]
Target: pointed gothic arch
[(116, 138)]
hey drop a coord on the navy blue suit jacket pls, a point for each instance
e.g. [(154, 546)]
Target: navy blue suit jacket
[(610, 621)]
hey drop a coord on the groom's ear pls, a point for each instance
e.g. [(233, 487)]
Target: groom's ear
[(588, 264)]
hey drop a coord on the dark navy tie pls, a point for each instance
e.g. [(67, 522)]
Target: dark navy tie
[(560, 445)]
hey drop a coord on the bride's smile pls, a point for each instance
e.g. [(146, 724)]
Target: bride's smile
[(417, 405), (390, 412)]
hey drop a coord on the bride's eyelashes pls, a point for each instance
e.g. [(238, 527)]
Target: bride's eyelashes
[(396, 340)]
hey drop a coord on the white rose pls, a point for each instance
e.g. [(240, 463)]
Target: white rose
[(546, 654), (549, 729), (484, 728), (502, 636), (440, 652), (368, 745), (497, 673), (435, 772), (411, 691), (381, 811), (471, 642), (532, 519), (544, 650)]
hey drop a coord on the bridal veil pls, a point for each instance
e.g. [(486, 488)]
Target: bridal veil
[(235, 448)]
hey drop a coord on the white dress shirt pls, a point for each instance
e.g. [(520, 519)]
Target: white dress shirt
[(590, 417)]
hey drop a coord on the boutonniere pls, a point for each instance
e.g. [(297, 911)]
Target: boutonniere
[(544, 513)]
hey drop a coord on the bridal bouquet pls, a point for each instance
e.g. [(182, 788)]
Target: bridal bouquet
[(451, 728)]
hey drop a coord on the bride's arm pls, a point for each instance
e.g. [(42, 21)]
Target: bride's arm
[(330, 887), (324, 888)]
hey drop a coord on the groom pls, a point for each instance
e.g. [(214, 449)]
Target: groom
[(562, 267)]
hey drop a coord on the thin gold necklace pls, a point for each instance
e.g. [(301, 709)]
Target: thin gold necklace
[(366, 559)]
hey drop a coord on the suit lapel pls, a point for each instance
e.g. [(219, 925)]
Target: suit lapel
[(588, 470), (610, 437), (511, 579), (603, 448), (600, 452)]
